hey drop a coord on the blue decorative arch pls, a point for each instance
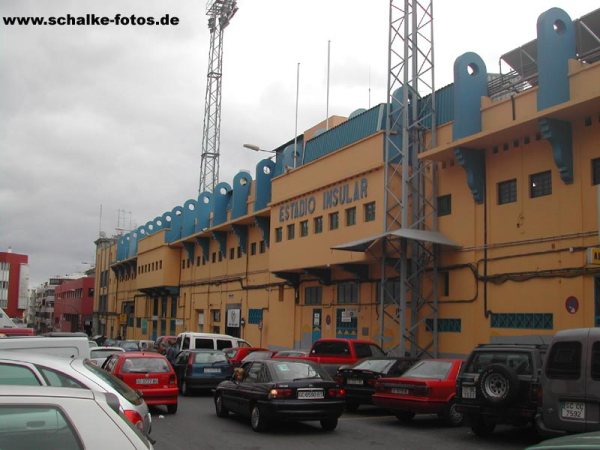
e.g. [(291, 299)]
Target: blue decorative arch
[(174, 233), (203, 211), (241, 189), (221, 198), (188, 222), (265, 170)]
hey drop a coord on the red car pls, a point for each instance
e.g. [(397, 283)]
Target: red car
[(236, 354), (427, 387), (149, 373)]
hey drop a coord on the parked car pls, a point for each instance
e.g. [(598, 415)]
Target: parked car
[(92, 344), (33, 417), (237, 354), (69, 347), (258, 355), (582, 441), (427, 387), (33, 369), (281, 390), (201, 369), (500, 383), (99, 354), (190, 341), (150, 373), (334, 352), (359, 379), (146, 345), (571, 383), (16, 331), (290, 353), (129, 345), (162, 343)]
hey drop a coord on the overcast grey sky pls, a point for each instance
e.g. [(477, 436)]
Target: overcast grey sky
[(112, 116)]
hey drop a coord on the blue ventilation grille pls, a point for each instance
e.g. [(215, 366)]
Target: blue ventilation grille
[(535, 321), (255, 316), (444, 325)]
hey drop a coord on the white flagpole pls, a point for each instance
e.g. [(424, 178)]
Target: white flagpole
[(328, 59), (296, 129)]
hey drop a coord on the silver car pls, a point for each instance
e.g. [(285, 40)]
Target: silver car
[(99, 354), (18, 368), (65, 419)]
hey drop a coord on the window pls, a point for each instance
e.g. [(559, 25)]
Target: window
[(262, 246), (564, 361), (231, 253), (174, 306), (318, 224), (444, 205), (369, 212), (214, 257), (347, 292), (253, 248), (278, 234), (507, 191), (197, 260), (222, 343), (540, 184), (392, 292), (595, 370), (58, 379), (12, 374), (291, 230), (304, 228), (334, 221), (312, 295), (351, 216), (206, 343), (220, 256), (216, 315), (596, 171), (183, 263), (239, 252)]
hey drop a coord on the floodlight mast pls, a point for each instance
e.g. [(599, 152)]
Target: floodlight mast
[(219, 14)]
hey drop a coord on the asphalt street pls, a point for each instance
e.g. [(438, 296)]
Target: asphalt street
[(195, 426)]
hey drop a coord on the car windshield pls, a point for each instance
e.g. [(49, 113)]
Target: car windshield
[(375, 365), (209, 357), (145, 365), (295, 370), (256, 355), (429, 369), (118, 385), (130, 345), (520, 362), (102, 353)]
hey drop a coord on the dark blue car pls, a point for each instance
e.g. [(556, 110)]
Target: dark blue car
[(201, 369)]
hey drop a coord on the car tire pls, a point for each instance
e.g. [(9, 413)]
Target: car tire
[(172, 409), (329, 424), (219, 408), (352, 406), (404, 416), (451, 416), (498, 385), (258, 421), (482, 426)]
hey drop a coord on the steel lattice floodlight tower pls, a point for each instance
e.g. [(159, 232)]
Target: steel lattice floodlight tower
[(410, 184), (219, 14)]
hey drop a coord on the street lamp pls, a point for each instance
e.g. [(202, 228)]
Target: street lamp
[(256, 148)]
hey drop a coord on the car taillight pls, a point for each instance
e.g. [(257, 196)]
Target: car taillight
[(135, 418), (336, 392), (280, 393), (172, 380)]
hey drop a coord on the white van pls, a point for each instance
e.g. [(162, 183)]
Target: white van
[(70, 347), (190, 340)]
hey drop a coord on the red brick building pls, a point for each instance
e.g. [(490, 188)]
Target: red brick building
[(14, 283), (73, 305)]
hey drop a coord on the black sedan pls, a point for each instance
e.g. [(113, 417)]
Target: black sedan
[(272, 390), (359, 379)]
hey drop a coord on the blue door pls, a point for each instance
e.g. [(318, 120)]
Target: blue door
[(346, 324)]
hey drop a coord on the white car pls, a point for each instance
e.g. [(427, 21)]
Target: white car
[(17, 368), (100, 354), (64, 418)]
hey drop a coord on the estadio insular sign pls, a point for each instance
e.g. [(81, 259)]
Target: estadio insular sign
[(341, 194)]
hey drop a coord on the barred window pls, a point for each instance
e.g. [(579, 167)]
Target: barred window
[(351, 216), (507, 191), (291, 231), (347, 292), (318, 224), (304, 228), (278, 234), (540, 184), (334, 221), (370, 212), (262, 246), (253, 248), (313, 295)]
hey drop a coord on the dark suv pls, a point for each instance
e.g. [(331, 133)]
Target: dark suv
[(500, 384)]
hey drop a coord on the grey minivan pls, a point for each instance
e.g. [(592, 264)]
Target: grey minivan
[(571, 383)]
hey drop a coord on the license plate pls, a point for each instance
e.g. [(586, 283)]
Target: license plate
[(401, 391), (147, 381), (310, 394), (354, 381), (572, 410), (212, 370), (468, 392)]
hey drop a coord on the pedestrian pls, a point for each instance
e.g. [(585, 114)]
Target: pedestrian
[(171, 353)]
